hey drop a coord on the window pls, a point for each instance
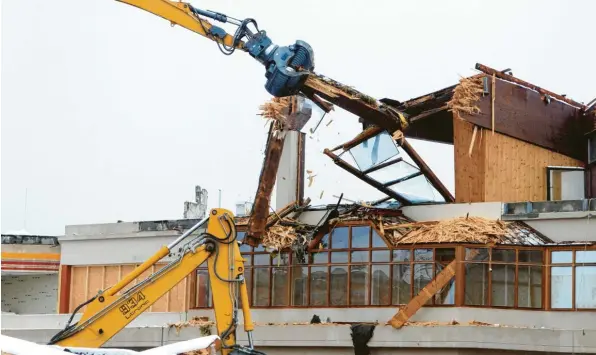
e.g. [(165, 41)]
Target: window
[(565, 183), (573, 279), (349, 278), (413, 269), (502, 277)]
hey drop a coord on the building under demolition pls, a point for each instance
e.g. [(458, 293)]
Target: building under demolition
[(506, 264)]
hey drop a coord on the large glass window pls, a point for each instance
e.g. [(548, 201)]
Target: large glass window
[(503, 277), (353, 266), (573, 279)]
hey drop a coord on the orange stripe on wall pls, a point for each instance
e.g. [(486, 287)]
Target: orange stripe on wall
[(30, 256)]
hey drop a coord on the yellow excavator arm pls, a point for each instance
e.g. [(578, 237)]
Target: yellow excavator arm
[(183, 14), (286, 68), (212, 240)]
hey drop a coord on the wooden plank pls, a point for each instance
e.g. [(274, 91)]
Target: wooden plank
[(95, 281), (260, 211), (64, 289), (469, 170), (523, 114), (516, 170), (77, 287), (444, 277), (501, 168)]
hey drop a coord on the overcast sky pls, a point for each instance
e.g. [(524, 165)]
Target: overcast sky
[(108, 113)]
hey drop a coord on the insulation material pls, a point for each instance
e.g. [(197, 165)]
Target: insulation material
[(466, 96), (456, 230)]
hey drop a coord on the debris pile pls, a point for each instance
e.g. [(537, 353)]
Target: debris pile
[(279, 237), (456, 230), (200, 322), (465, 96)]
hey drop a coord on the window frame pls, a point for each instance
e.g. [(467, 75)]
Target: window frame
[(573, 264), (550, 169), (460, 249)]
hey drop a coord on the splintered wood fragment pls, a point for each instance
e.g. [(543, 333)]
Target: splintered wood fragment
[(472, 142), (440, 281)]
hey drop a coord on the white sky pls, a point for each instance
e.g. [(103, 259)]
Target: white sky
[(110, 114)]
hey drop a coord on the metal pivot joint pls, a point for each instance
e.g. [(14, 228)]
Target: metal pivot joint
[(286, 67)]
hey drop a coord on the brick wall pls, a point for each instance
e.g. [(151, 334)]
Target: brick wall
[(29, 294)]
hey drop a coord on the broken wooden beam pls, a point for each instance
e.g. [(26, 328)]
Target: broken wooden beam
[(355, 102), (428, 292), (511, 78), (260, 210), (285, 211)]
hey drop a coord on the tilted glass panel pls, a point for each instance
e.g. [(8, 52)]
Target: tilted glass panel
[(374, 151), (418, 190), (393, 172)]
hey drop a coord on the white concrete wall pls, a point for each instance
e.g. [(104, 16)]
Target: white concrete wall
[(491, 210), (30, 294), (287, 178), (566, 230)]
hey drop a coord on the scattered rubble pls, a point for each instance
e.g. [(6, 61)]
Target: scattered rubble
[(456, 230)]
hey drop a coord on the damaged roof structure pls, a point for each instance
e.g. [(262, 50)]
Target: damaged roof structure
[(382, 157), (513, 142)]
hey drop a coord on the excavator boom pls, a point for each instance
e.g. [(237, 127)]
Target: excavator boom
[(182, 14), (286, 68), (112, 309)]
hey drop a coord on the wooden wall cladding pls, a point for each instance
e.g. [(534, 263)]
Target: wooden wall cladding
[(86, 281), (523, 114), (500, 168)]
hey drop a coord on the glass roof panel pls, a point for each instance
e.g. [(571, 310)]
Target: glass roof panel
[(418, 190), (374, 151), (393, 172)]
